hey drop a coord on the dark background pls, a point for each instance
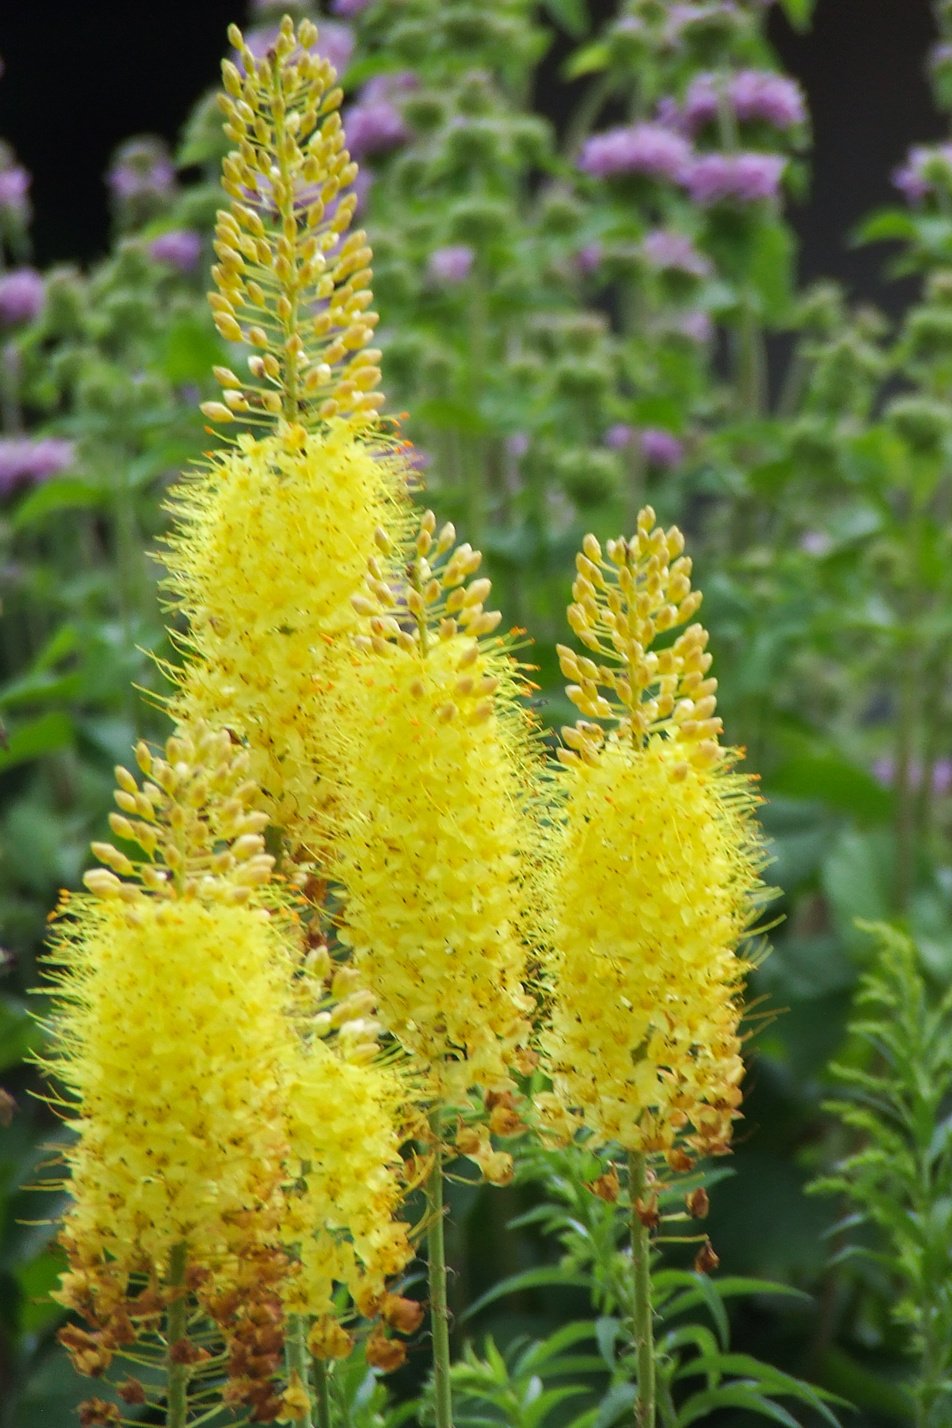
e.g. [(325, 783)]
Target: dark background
[(82, 77)]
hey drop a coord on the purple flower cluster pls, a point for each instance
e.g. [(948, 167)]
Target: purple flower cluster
[(25, 462), (926, 167), (450, 265), (734, 178), (22, 294), (14, 188), (374, 124), (753, 96), (650, 150), (939, 775), (141, 170), (668, 251), (661, 449), (180, 248), (349, 8)]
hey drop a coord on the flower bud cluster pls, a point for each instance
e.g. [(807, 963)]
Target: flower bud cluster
[(621, 604), (195, 820), (293, 284)]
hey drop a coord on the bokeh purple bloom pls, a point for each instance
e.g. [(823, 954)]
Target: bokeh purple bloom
[(22, 294), (374, 124), (588, 258), (738, 178), (349, 8), (660, 448), (651, 150), (752, 95), (180, 248), (666, 250), (451, 264), (939, 775), (28, 462), (925, 166), (141, 177), (14, 192)]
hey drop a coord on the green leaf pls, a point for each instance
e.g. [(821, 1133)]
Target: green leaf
[(540, 1278), (772, 1380), (700, 1405), (569, 15), (798, 12), (590, 59), (39, 736), (53, 498), (19, 1033), (884, 225), (836, 782), (191, 349)]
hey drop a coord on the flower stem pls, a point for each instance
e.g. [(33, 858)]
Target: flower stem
[(176, 1325), (645, 1409), (297, 1360), (436, 1267), (323, 1380)]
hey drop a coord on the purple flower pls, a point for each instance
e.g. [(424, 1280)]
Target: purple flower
[(619, 436), (925, 166), (588, 258), (695, 326), (940, 774), (648, 149), (815, 543), (334, 43), (22, 294), (451, 264), (753, 95), (14, 189), (738, 178), (374, 129), (349, 8), (517, 445), (180, 248), (761, 95), (374, 125), (661, 448), (669, 251), (25, 462), (141, 171)]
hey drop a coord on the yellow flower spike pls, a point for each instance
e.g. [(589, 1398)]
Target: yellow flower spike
[(433, 857), (171, 1042), (659, 860), (269, 546), (292, 283), (346, 1128)]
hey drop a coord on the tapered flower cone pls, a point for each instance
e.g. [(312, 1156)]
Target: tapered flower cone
[(270, 544), (659, 863), (434, 857)]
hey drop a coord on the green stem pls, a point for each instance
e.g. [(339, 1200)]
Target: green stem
[(645, 1405), (176, 1324), (436, 1269), (295, 1351), (322, 1379)]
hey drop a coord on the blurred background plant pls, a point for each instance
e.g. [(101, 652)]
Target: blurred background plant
[(583, 308)]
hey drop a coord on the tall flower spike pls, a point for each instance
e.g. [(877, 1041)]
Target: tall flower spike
[(659, 868), (171, 1040), (269, 546), (293, 283), (432, 858)]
